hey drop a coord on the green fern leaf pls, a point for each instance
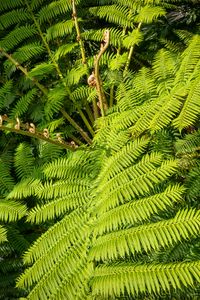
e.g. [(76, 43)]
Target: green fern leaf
[(118, 244), (3, 237), (23, 104), (135, 279), (63, 50), (60, 29), (16, 36), (13, 17), (149, 14), (11, 211)]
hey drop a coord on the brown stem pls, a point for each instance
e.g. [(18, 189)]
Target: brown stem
[(37, 135), (89, 112), (100, 91), (79, 39)]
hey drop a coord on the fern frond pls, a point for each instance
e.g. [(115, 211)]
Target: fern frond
[(70, 167), (153, 278), (23, 104), (48, 152), (11, 210), (185, 225), (138, 210), (191, 108), (56, 98), (3, 237), (135, 181), (63, 50), (52, 126), (117, 14), (164, 66), (118, 62), (41, 70), (190, 58), (24, 161), (60, 29), (6, 180), (61, 188), (25, 188), (13, 17), (134, 38), (96, 35), (53, 10), (16, 36), (75, 74), (189, 143), (73, 272), (149, 14), (10, 4), (122, 159), (22, 55), (6, 94), (58, 207), (58, 232)]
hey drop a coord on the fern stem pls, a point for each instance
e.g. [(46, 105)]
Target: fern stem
[(89, 112), (37, 136), (99, 87), (130, 54), (79, 39), (95, 109), (89, 127), (76, 126)]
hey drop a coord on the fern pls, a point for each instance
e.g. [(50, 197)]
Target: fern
[(60, 30), (23, 104), (16, 36), (148, 14), (115, 279), (3, 237), (11, 211)]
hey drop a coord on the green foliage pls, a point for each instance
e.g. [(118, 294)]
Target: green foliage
[(118, 218)]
